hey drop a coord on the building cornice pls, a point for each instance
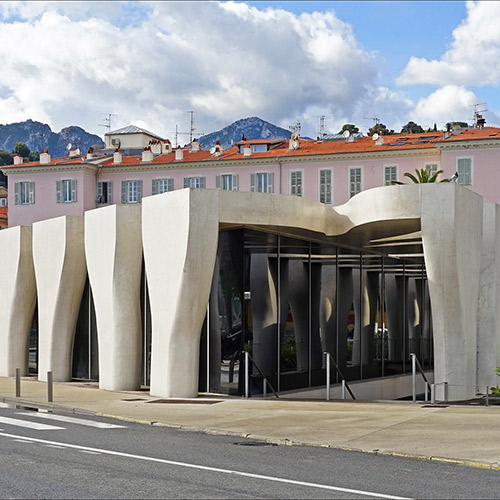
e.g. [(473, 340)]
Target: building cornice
[(42, 169), (469, 144)]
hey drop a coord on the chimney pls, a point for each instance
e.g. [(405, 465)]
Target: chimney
[(147, 155), (179, 154), (379, 141), (166, 146), (294, 143), (18, 159), (74, 152), (247, 151), (117, 156), (44, 157), (195, 146)]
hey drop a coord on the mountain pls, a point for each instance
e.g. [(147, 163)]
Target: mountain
[(252, 128), (34, 134)]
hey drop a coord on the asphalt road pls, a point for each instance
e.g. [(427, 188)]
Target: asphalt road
[(57, 455)]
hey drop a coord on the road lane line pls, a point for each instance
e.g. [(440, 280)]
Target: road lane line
[(29, 425), (210, 469), (74, 420)]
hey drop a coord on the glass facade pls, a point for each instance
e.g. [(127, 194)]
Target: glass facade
[(287, 301)]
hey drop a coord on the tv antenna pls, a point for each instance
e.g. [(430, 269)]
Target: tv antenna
[(41, 135), (374, 118), (107, 119), (295, 128), (322, 122), (190, 133), (479, 121)]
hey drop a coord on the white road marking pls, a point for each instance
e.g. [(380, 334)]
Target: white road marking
[(55, 446), (30, 425), (89, 452), (74, 420), (212, 469)]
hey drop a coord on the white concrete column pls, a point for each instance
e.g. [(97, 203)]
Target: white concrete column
[(488, 314), (452, 239), (113, 249), (59, 258), (180, 232), (18, 298)]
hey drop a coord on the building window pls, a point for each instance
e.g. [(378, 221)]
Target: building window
[(432, 167), (131, 191), (24, 193), (464, 169), (227, 182), (66, 191), (104, 192), (162, 185), (262, 182), (355, 186), (325, 186), (3, 202), (194, 182), (390, 174), (296, 182)]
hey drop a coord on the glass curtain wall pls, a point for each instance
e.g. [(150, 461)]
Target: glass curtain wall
[(288, 301)]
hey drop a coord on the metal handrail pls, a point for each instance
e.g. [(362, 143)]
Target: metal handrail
[(414, 365), (248, 358), (329, 359)]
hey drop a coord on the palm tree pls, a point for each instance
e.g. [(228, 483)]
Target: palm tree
[(423, 176)]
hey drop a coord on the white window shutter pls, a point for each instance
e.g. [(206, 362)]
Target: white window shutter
[(17, 193), (110, 191), (217, 182), (99, 192), (124, 191), (155, 187), (270, 182), (252, 183), (202, 182), (58, 192), (186, 182), (73, 190), (235, 182), (32, 192), (139, 191), (170, 184)]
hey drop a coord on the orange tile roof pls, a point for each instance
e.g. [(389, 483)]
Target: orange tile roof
[(4, 219), (468, 134)]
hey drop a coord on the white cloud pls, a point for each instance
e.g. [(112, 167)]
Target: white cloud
[(69, 62), (449, 103), (473, 57)]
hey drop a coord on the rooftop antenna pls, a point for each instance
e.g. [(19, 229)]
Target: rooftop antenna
[(322, 121), (107, 119), (191, 127), (374, 118), (295, 128), (479, 121)]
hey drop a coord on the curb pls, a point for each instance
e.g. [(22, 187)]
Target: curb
[(276, 441)]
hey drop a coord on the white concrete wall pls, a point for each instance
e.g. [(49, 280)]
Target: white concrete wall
[(113, 250), (452, 239), (59, 259), (18, 298), (180, 234)]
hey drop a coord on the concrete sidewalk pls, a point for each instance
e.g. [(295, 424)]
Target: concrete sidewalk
[(467, 435)]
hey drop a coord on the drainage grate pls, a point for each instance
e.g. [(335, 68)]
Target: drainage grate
[(254, 443), (185, 401)]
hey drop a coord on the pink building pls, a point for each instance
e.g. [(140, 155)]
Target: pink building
[(331, 170)]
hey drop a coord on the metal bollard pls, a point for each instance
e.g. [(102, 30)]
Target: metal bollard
[(343, 389), (327, 376), (264, 388), (247, 362), (18, 383), (487, 396), (426, 391), (413, 377), (433, 394), (445, 391), (50, 387)]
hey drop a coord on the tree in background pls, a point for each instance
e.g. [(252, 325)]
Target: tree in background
[(424, 176), (450, 125), (6, 158), (22, 150), (381, 129), (412, 128), (350, 127), (34, 156)]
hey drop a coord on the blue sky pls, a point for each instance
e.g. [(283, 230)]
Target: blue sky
[(149, 63)]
